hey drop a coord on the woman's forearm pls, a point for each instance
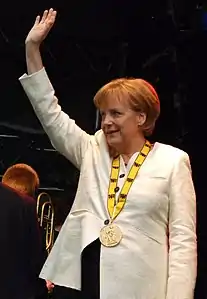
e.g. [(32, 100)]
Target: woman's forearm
[(33, 58)]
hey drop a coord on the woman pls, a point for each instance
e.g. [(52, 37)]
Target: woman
[(131, 232)]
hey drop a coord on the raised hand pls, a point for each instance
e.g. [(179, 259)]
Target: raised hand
[(41, 27)]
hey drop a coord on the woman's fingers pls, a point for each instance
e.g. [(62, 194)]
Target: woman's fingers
[(44, 16), (37, 20), (51, 16), (48, 16)]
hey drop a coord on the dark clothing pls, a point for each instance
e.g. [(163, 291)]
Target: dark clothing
[(41, 289), (91, 271), (90, 276), (20, 245)]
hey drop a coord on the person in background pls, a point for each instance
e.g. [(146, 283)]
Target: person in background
[(20, 244), (131, 232)]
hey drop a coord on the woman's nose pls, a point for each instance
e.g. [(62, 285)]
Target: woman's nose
[(107, 120)]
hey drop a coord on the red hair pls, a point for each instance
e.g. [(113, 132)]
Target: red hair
[(22, 178), (140, 95)]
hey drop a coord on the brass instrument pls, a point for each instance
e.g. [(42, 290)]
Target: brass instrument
[(45, 212)]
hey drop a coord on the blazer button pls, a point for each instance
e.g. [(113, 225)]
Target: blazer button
[(122, 175), (116, 189), (106, 222)]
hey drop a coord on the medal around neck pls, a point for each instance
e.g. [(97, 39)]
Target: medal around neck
[(110, 235)]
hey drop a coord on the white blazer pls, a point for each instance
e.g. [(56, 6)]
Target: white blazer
[(157, 257)]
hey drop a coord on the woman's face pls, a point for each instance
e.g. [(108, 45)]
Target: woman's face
[(120, 123)]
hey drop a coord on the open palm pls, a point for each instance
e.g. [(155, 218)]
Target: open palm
[(42, 27)]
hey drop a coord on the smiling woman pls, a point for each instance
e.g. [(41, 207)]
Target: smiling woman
[(129, 109), (131, 232), (140, 96)]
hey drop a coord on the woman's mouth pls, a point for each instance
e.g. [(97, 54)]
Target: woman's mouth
[(112, 132)]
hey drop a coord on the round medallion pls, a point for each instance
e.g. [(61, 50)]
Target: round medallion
[(110, 235)]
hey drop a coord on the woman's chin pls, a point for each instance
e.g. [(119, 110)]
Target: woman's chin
[(113, 141)]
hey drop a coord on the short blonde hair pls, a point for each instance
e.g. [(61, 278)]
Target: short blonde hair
[(140, 95), (22, 178)]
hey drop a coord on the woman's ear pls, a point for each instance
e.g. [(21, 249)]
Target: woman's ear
[(141, 119)]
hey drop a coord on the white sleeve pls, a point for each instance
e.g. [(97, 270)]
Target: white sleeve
[(182, 233), (67, 138)]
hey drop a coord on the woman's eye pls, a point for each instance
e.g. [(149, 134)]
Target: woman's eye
[(116, 113)]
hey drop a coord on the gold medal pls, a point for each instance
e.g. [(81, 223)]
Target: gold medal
[(110, 235)]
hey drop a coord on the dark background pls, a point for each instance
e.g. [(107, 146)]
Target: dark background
[(164, 42)]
